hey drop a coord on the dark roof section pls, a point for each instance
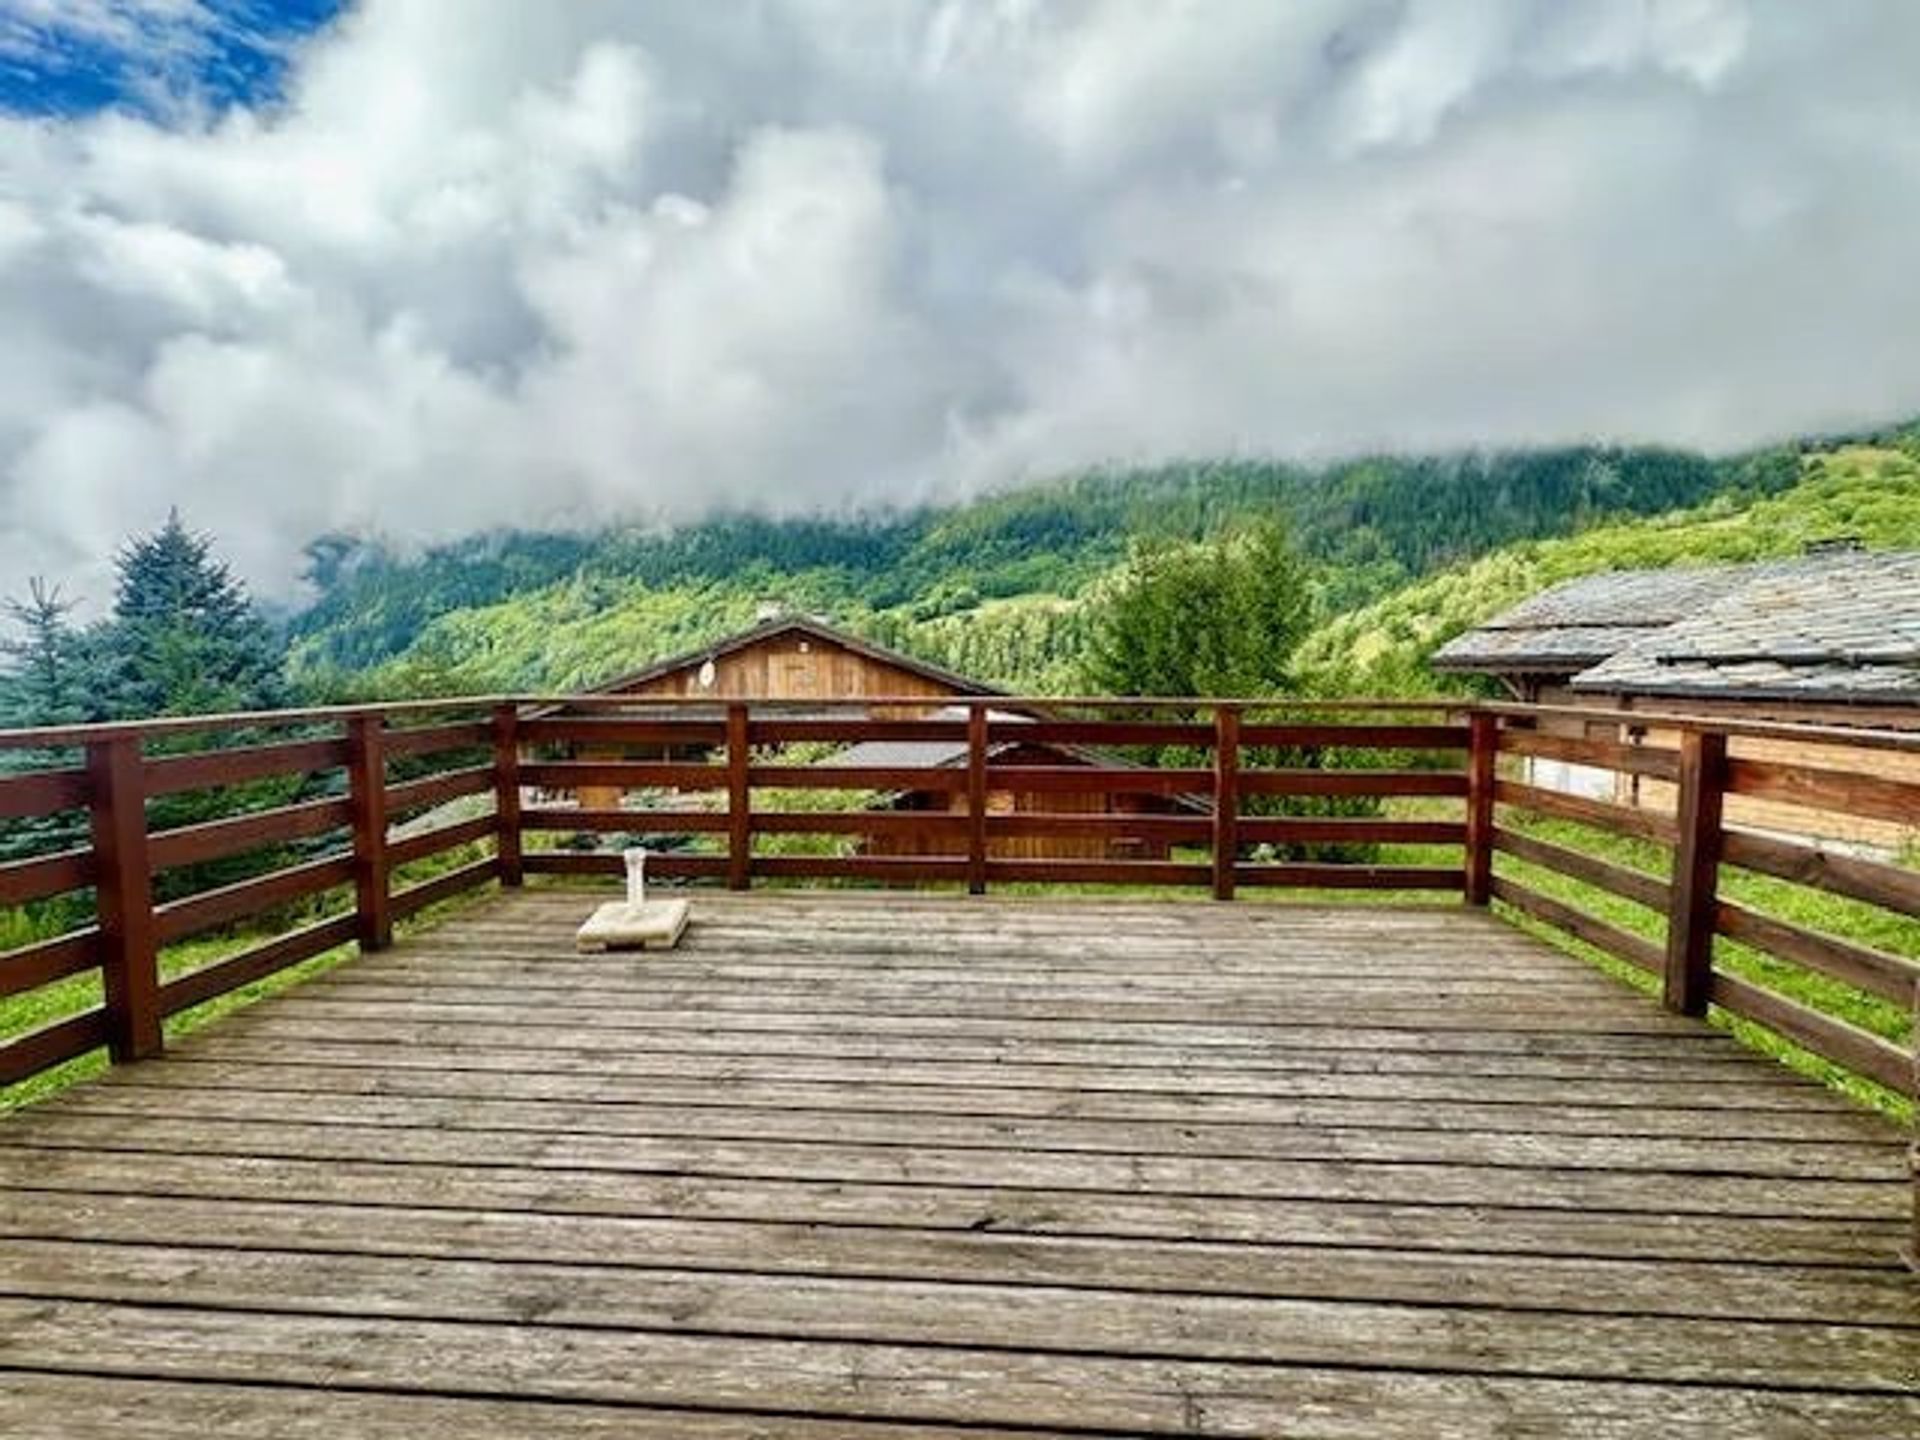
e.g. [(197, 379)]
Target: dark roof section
[(800, 625), (1578, 623), (1838, 627), (921, 754)]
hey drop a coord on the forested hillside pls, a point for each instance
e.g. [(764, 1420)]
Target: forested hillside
[(995, 588), (1868, 492)]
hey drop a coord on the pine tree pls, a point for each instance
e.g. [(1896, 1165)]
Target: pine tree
[(184, 637), (48, 681)]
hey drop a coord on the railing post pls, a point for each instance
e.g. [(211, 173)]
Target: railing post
[(739, 801), (1696, 872), (129, 942), (1483, 750), (506, 792), (977, 799), (367, 794), (1226, 799), (1913, 1148)]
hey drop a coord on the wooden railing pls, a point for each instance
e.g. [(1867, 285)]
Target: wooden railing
[(334, 815), (1705, 883)]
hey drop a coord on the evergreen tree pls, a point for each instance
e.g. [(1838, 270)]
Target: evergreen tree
[(1202, 618), (49, 683), (184, 637)]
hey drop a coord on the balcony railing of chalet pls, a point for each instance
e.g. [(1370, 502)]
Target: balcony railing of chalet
[(339, 794)]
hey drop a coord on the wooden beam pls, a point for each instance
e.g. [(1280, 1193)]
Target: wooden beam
[(1696, 872), (977, 799), (1483, 749), (129, 936), (739, 800), (367, 792), (506, 793), (1226, 799)]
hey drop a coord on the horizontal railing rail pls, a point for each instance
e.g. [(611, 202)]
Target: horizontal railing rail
[(1706, 871)]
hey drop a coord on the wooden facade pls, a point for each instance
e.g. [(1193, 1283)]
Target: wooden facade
[(1011, 800), (793, 660)]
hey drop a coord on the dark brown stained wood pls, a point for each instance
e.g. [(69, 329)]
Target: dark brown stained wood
[(667, 867), (1632, 885), (1188, 829), (1099, 872), (1891, 977), (1094, 780), (48, 960), (1892, 886), (367, 791), (1337, 830), (610, 730), (27, 1055), (439, 789), (205, 770), (443, 837), (1636, 951), (739, 800), (1338, 875), (403, 744), (42, 792), (1353, 782), (443, 887), (246, 899), (130, 930), (1052, 731), (1620, 819), (777, 731), (1844, 792), (44, 875), (1483, 751), (1226, 799), (217, 839), (1688, 972), (887, 869), (858, 777), (621, 775), (1845, 1045), (656, 822), (1659, 764), (977, 800), (945, 825), (256, 963), (1359, 735), (506, 794)]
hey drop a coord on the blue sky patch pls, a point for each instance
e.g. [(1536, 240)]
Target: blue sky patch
[(150, 58)]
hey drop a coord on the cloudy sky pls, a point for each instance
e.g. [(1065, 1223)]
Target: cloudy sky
[(423, 267)]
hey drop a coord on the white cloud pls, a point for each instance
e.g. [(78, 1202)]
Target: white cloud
[(550, 264)]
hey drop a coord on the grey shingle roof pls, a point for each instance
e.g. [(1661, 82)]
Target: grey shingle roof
[(1840, 627), (915, 754), (1581, 622)]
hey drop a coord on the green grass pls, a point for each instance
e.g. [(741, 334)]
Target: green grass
[(1780, 899), (50, 1003)]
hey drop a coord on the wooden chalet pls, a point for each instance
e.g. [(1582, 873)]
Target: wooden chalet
[(794, 658), (1828, 638)]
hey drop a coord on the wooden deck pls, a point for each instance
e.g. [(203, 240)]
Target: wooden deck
[(890, 1165)]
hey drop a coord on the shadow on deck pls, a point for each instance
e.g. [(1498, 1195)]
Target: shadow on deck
[(848, 1164)]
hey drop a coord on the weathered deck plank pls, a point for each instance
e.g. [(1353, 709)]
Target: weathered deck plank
[(858, 1165)]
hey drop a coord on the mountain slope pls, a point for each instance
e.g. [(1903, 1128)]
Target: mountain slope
[(988, 587), (1868, 492)]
